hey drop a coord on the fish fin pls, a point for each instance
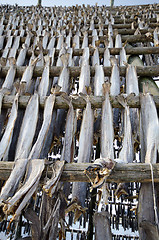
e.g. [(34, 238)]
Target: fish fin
[(106, 88), (56, 89), (34, 61)]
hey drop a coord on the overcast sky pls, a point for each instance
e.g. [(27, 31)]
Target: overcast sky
[(80, 2)]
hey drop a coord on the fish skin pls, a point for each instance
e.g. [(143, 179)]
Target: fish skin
[(149, 129), (115, 88), (27, 75), (123, 58), (95, 57), (25, 140), (34, 170), (85, 56), (127, 152), (22, 55), (85, 40), (84, 154), (98, 80), (12, 183), (51, 44), (132, 87), (40, 142), (44, 83), (70, 129), (107, 62), (7, 136), (8, 45), (84, 79), (102, 226), (9, 79), (107, 131)]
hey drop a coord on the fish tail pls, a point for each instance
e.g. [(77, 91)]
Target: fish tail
[(12, 61), (47, 59), (64, 59), (122, 100), (106, 88)]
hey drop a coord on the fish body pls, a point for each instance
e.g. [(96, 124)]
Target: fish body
[(84, 154), (84, 79), (95, 57), (27, 76), (98, 80), (13, 181), (44, 83), (34, 170), (25, 140), (115, 88), (70, 128), (21, 56), (127, 152), (107, 62), (85, 40), (9, 79), (40, 142), (7, 136), (107, 131), (132, 87)]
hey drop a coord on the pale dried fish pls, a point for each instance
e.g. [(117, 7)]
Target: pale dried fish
[(7, 136)]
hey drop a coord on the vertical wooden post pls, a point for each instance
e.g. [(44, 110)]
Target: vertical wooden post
[(39, 2), (111, 3)]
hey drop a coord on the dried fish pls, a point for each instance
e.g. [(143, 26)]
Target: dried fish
[(27, 76), (102, 226), (44, 83), (22, 55), (115, 88), (84, 79), (13, 181), (132, 87), (127, 152), (85, 40), (107, 131), (37, 149), (8, 82), (70, 129), (25, 140), (16, 204), (84, 154), (7, 136), (98, 80), (95, 57)]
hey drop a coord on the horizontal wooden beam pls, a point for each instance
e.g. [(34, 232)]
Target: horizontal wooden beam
[(77, 101), (113, 51), (151, 71), (74, 172)]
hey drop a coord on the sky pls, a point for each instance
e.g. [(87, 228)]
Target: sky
[(79, 2)]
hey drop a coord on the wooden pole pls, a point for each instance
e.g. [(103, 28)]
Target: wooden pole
[(151, 71), (77, 101), (74, 172)]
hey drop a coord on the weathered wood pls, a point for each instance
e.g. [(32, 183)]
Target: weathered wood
[(74, 172), (77, 101), (150, 71), (113, 51)]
